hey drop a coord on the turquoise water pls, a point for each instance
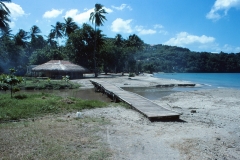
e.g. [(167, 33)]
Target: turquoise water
[(207, 80)]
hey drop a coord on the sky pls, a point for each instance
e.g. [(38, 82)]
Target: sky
[(200, 25)]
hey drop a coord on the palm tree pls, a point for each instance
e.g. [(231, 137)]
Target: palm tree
[(6, 32), (4, 15), (21, 38), (135, 43), (34, 31), (57, 30), (50, 40), (118, 40), (69, 26), (97, 17)]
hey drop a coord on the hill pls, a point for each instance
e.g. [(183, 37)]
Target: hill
[(164, 58)]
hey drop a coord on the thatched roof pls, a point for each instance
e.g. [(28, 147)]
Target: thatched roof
[(60, 66)]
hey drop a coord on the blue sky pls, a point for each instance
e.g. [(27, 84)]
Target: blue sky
[(200, 25)]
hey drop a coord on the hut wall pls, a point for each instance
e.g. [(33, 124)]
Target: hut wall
[(76, 75), (58, 75)]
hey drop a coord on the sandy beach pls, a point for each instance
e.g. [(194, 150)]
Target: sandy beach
[(208, 127)]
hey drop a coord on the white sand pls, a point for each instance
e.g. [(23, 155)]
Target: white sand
[(213, 132)]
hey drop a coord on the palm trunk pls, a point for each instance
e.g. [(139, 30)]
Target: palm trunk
[(94, 53)]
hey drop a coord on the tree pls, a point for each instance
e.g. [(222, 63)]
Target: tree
[(21, 38), (7, 33), (69, 26), (37, 40), (97, 17), (57, 30), (133, 44), (4, 15), (34, 31), (11, 80), (119, 49), (118, 41), (80, 45), (6, 37), (50, 39)]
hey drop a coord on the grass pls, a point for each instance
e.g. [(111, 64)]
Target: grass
[(24, 106), (52, 138), (34, 83), (43, 131), (31, 83)]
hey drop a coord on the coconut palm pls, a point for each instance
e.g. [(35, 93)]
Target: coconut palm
[(57, 30), (4, 15), (135, 43), (6, 32), (34, 31), (21, 38), (69, 26), (50, 39), (118, 40), (97, 17)]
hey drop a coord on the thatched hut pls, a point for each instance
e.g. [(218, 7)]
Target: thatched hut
[(58, 68)]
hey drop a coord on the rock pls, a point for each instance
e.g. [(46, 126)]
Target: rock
[(193, 111), (78, 115)]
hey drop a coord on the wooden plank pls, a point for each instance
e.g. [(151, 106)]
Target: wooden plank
[(148, 108)]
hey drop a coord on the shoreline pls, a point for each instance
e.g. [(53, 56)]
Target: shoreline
[(145, 80), (209, 126)]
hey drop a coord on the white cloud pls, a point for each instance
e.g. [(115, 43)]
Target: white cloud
[(222, 5), (79, 17), (82, 17), (158, 26), (163, 32), (108, 10), (183, 38), (120, 25), (143, 31), (15, 9), (12, 24), (122, 7), (229, 49), (52, 14)]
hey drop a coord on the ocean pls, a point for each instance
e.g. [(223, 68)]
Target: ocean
[(207, 80)]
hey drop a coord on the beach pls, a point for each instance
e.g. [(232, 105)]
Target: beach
[(208, 127)]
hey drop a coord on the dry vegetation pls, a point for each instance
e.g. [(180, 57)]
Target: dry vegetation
[(54, 137)]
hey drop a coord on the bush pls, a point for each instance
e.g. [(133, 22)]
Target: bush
[(131, 75), (20, 96)]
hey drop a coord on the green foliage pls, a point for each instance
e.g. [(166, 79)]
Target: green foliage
[(80, 46), (32, 105), (162, 58), (11, 80), (131, 75), (45, 54), (107, 54), (65, 79), (36, 84)]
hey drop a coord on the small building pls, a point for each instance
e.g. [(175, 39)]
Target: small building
[(55, 69)]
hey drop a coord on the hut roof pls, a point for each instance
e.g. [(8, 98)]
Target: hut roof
[(59, 65)]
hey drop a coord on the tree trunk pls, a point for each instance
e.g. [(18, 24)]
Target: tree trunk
[(94, 53)]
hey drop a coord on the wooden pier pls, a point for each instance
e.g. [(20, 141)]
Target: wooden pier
[(151, 110)]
